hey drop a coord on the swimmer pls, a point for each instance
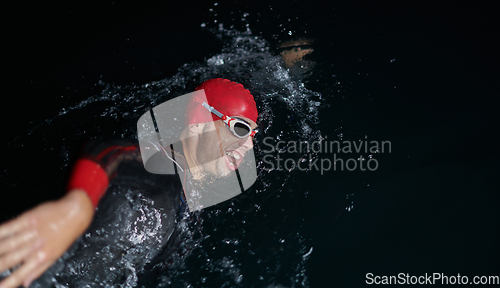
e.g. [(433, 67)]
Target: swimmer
[(293, 51), (294, 54), (32, 242)]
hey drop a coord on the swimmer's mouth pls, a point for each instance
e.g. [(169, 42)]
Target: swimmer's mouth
[(233, 159)]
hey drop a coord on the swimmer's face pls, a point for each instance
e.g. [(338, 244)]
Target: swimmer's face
[(220, 144)]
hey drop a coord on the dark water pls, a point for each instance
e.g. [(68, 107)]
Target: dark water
[(421, 76)]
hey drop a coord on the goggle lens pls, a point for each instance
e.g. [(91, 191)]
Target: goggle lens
[(241, 129)]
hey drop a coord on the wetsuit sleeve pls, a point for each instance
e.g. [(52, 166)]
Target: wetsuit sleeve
[(98, 164)]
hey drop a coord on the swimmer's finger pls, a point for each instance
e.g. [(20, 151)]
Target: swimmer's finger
[(21, 275), (16, 257), (12, 243), (37, 271), (14, 226)]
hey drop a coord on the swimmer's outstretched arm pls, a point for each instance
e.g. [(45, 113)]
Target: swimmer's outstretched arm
[(37, 238), (41, 235)]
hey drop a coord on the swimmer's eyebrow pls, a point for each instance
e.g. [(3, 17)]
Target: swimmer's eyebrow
[(250, 125), (242, 120)]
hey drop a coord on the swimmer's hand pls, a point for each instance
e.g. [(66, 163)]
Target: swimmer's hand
[(41, 235)]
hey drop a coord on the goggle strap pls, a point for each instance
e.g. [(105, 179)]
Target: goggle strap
[(212, 110)]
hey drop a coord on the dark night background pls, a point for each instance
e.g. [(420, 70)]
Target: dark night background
[(433, 205)]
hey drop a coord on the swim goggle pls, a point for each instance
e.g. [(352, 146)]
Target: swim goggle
[(238, 127)]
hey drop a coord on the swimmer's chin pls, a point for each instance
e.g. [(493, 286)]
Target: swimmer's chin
[(222, 174), (223, 170), (207, 177)]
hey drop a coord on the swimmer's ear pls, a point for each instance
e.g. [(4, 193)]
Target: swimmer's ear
[(196, 128)]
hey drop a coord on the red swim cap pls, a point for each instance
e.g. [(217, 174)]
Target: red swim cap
[(229, 98)]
